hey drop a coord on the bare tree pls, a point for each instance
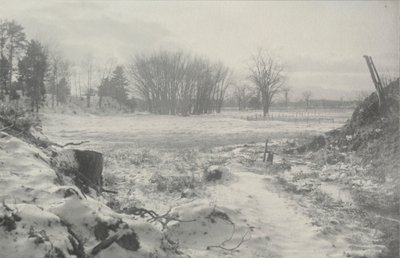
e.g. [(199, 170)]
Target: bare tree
[(58, 76), (286, 91), (307, 97), (171, 82), (266, 73), (88, 63), (104, 73), (242, 95), (223, 78)]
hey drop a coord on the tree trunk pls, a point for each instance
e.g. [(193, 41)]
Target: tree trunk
[(265, 106), (10, 59), (88, 101), (100, 100)]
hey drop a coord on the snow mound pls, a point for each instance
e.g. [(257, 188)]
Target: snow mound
[(39, 218)]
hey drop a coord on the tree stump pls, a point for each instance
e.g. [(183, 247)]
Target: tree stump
[(85, 166), (90, 168)]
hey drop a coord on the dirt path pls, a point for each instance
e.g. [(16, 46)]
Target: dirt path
[(279, 221)]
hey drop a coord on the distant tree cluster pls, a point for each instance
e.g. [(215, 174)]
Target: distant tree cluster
[(115, 86), (12, 45), (176, 83), (22, 59), (58, 78)]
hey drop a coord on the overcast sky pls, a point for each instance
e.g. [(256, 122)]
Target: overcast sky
[(321, 43)]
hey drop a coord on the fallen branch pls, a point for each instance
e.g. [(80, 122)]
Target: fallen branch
[(233, 248), (104, 244), (7, 127), (218, 214), (77, 244), (162, 219), (6, 206), (108, 191), (69, 143), (75, 143)]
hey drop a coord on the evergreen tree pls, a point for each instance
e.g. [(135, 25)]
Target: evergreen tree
[(63, 91), (15, 43), (33, 68), (104, 90), (119, 85)]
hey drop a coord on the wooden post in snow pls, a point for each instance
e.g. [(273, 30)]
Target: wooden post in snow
[(270, 157), (265, 150)]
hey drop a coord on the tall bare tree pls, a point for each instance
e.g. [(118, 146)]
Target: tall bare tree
[(223, 77), (242, 95), (286, 90), (266, 73), (58, 76), (89, 91), (104, 73), (307, 98)]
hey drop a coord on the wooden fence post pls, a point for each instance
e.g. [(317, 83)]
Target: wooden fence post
[(265, 150)]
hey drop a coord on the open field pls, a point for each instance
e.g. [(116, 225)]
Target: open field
[(157, 162), (204, 131)]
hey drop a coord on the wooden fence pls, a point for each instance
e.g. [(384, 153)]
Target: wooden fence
[(301, 117)]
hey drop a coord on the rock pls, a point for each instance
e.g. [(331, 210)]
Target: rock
[(129, 241), (214, 173), (102, 229)]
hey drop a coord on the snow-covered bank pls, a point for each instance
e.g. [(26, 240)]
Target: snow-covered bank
[(44, 217)]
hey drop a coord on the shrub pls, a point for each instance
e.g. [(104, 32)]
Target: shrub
[(174, 183), (16, 118)]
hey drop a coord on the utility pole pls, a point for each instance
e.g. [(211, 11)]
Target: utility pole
[(376, 79)]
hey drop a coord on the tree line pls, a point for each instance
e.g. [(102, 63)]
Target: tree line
[(177, 83), (34, 69), (22, 59), (167, 82)]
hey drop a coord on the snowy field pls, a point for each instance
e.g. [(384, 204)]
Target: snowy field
[(157, 162), (175, 132)]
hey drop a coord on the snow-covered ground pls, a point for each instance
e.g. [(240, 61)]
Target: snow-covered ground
[(43, 214), (160, 163), (174, 132), (143, 152)]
